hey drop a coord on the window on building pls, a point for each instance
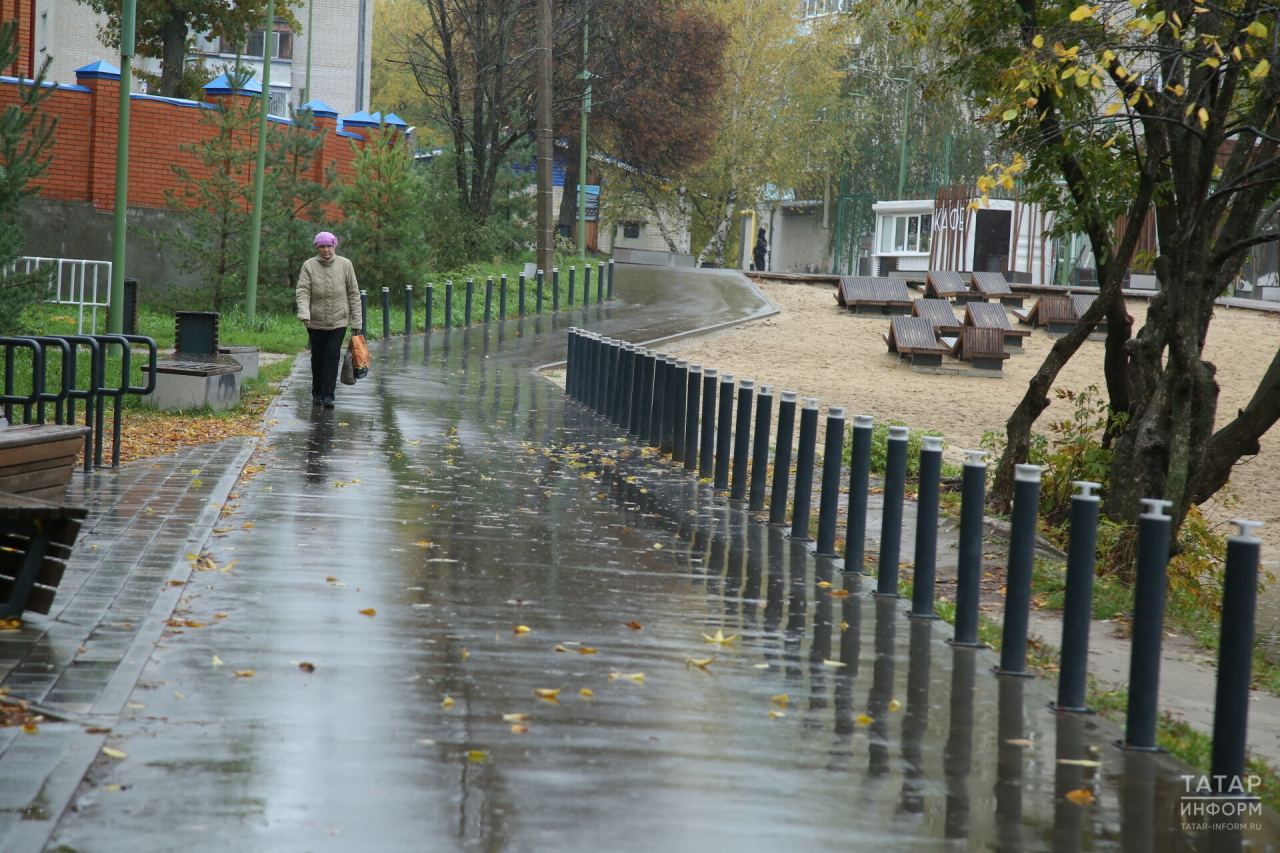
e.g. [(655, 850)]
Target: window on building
[(44, 31), (281, 43), (631, 230), (906, 232)]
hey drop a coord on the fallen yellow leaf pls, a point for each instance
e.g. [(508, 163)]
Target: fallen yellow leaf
[(635, 626), (1080, 762), (514, 718), (447, 703), (30, 728), (179, 695), (331, 579), (700, 663), (824, 584), (1020, 742), (559, 649), (521, 629), (840, 592), (864, 720), (586, 650), (586, 693), (637, 677), (519, 729), (478, 755), (243, 673), (720, 639), (113, 753), (781, 699), (369, 611), (657, 545), (465, 654), (834, 663), (217, 661), (1080, 796), (546, 693), (774, 713), (894, 704)]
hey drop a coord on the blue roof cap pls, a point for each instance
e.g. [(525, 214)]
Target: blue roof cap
[(99, 69), (320, 109), (394, 120), (361, 119), (221, 85)]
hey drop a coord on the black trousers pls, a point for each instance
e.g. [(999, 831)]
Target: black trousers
[(326, 354)]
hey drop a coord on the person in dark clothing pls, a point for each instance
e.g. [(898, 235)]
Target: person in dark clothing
[(328, 298), (762, 246)]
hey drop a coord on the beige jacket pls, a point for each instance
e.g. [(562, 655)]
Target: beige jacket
[(328, 294)]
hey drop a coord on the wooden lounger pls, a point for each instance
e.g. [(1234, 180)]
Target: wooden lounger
[(983, 348), (1057, 313), (993, 284), (36, 538), (914, 337), (944, 284), (1083, 302), (878, 296), (36, 461), (990, 315), (939, 314)]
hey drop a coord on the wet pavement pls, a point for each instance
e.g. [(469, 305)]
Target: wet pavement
[(398, 545)]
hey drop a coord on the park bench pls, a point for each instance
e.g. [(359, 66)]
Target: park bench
[(992, 284), (991, 315), (36, 460), (1082, 303), (944, 284), (36, 539), (940, 315), (983, 348), (1056, 313), (878, 296), (914, 337)]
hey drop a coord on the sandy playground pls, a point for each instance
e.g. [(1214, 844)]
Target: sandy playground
[(815, 347)]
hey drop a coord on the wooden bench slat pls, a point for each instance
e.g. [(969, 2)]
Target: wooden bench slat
[(943, 283), (913, 334), (990, 284), (986, 315), (35, 453)]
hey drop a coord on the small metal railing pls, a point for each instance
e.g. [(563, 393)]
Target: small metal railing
[(83, 284)]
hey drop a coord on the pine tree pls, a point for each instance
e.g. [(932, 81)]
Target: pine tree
[(26, 136)]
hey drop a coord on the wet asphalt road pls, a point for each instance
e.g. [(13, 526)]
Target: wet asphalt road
[(396, 543)]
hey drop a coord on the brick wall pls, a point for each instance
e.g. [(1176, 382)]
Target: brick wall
[(84, 153), (23, 12)]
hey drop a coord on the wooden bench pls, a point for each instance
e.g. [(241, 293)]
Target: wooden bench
[(914, 337), (982, 348), (939, 314), (878, 296), (1082, 303), (991, 315), (36, 539), (1056, 313), (992, 284), (944, 284), (36, 461)]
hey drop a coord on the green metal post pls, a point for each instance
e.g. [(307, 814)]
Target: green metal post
[(260, 167), (582, 150), (115, 314), (906, 128), (306, 93)]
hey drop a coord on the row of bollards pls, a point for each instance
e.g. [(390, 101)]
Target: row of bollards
[(603, 292), (688, 411)]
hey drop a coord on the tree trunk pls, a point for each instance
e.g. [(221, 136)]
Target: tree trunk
[(174, 37), (715, 246), (568, 219)]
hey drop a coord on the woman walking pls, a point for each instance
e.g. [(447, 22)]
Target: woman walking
[(762, 246), (328, 300)]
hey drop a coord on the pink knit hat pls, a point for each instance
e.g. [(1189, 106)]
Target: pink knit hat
[(324, 238)]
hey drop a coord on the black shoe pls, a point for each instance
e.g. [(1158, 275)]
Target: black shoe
[(315, 401), (328, 402)]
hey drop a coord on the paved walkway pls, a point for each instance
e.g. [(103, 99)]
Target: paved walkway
[(350, 668)]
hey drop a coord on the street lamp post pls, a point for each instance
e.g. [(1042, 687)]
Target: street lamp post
[(115, 313), (255, 224), (582, 149)]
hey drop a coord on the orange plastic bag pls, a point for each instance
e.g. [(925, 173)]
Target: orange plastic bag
[(359, 352)]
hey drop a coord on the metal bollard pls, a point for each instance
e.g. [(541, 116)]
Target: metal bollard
[(760, 450), (364, 312), (706, 456), (592, 372), (522, 291), (585, 352), (571, 363), (724, 433), (1077, 610), (615, 381), (924, 576), (586, 285), (895, 477), (610, 280), (448, 304), (606, 377), (742, 440), (1148, 625), (1021, 563), (555, 289), (782, 459), (1235, 659), (572, 271), (624, 386), (386, 313), (692, 400), (829, 497), (430, 306), (600, 283), (973, 496), (488, 299), (471, 290), (659, 400), (679, 399), (408, 309), (502, 298), (802, 504), (646, 394), (637, 391), (855, 536)]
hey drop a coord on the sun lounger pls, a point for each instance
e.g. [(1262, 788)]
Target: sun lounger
[(939, 314), (983, 348), (992, 284), (1056, 313), (914, 337), (991, 315), (878, 296), (944, 284), (36, 539), (1082, 303)]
